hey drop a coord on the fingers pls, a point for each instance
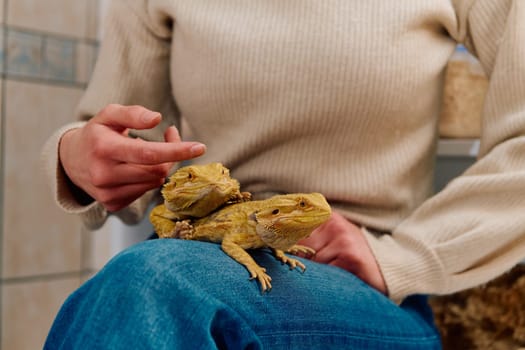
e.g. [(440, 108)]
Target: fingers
[(327, 254), (335, 239), (116, 169), (116, 198), (105, 144), (138, 151), (122, 174), (124, 149), (172, 134), (345, 265), (345, 246), (322, 235), (121, 117)]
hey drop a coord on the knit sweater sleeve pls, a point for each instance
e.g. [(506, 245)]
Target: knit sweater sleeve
[(132, 68), (474, 229)]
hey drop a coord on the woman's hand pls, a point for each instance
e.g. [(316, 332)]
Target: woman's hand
[(340, 243), (115, 169)]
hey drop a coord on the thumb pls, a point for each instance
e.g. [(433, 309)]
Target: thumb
[(120, 117)]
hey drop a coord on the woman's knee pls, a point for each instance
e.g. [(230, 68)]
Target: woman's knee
[(160, 260)]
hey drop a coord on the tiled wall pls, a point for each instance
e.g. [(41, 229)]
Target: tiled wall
[(47, 51)]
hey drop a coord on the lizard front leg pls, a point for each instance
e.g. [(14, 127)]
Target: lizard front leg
[(163, 222), (235, 251), (240, 197), (293, 263)]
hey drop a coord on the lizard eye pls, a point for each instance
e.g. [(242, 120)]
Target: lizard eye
[(190, 176), (275, 211), (302, 204)]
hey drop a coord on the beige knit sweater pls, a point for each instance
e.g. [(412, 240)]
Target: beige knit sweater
[(340, 97)]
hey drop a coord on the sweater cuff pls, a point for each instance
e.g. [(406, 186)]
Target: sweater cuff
[(408, 266)]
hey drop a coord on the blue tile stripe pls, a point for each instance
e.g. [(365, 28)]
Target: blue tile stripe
[(33, 55), (58, 59)]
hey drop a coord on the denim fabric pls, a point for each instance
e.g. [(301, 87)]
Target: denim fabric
[(173, 294)]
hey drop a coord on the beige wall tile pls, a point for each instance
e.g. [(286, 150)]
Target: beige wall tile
[(1, 152), (3, 30), (2, 11), (38, 237), (54, 16), (1, 133), (103, 6), (92, 19), (86, 57), (97, 247), (28, 310)]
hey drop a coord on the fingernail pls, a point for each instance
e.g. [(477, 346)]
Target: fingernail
[(198, 149), (150, 116)]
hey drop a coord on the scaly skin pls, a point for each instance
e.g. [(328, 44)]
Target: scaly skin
[(193, 192), (276, 223)]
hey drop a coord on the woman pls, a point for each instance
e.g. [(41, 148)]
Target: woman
[(338, 97)]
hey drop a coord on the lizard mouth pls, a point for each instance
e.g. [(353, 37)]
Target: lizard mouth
[(287, 231), (187, 198), (200, 200)]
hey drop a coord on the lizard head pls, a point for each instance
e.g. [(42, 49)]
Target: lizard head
[(197, 190), (291, 217)]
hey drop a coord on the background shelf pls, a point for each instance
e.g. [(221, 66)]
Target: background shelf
[(458, 147)]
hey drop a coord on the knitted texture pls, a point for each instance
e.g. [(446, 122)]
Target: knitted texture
[(339, 97)]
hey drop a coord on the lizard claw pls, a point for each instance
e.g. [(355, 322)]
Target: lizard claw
[(183, 229), (293, 263), (260, 274)]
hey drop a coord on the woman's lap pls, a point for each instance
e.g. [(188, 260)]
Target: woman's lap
[(184, 294)]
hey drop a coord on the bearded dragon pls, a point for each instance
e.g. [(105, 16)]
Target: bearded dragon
[(192, 192), (277, 223)]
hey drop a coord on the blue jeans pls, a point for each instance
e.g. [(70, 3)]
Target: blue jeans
[(174, 294)]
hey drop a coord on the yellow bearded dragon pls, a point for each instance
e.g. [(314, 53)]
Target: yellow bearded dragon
[(193, 192), (276, 223)]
